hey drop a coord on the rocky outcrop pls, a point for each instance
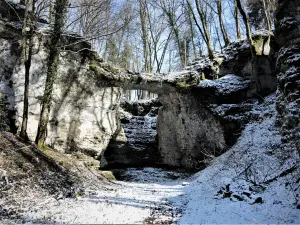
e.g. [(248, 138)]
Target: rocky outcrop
[(190, 131), (109, 75), (187, 132), (195, 123), (236, 59), (84, 113), (204, 117), (14, 10), (136, 144), (288, 94)]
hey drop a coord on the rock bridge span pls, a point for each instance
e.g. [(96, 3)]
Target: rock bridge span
[(107, 75), (87, 94)]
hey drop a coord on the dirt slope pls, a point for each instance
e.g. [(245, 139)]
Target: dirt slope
[(29, 176)]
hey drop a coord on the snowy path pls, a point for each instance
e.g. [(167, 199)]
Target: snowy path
[(141, 201)]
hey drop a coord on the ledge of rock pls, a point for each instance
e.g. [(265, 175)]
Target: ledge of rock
[(136, 143)]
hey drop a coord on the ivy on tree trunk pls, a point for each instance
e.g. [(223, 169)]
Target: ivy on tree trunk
[(60, 9)]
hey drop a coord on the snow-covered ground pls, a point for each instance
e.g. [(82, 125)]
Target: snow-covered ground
[(144, 199), (225, 192), (254, 182)]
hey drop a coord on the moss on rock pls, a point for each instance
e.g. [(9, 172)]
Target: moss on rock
[(187, 82), (258, 45), (108, 175), (99, 71)]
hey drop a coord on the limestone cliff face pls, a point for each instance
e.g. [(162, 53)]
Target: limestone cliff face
[(198, 124), (201, 118), (83, 113), (137, 145), (288, 104), (192, 125), (188, 134)]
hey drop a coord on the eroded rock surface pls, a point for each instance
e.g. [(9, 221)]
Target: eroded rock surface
[(236, 59), (84, 116), (83, 113), (190, 131), (136, 145), (288, 104), (204, 117)]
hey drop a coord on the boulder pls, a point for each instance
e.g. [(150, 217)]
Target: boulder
[(142, 107)]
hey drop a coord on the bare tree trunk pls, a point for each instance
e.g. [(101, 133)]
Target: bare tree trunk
[(218, 37), (205, 29), (196, 22), (51, 12), (60, 12), (155, 40), (177, 39), (29, 22), (223, 30), (150, 62), (107, 15), (180, 44), (143, 17), (247, 25), (237, 21), (164, 53), (190, 21), (268, 19), (252, 48), (172, 21)]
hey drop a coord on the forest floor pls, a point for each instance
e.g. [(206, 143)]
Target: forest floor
[(254, 182)]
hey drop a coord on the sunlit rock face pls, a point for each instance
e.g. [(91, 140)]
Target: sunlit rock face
[(195, 122), (288, 63), (83, 113)]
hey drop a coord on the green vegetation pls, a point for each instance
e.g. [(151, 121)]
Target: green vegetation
[(103, 69), (3, 116), (258, 45), (187, 82), (99, 71), (108, 175), (109, 68)]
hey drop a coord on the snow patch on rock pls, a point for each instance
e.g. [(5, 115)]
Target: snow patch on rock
[(227, 84)]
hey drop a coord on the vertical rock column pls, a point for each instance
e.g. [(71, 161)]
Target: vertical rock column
[(288, 63)]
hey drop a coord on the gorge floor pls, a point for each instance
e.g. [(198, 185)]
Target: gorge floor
[(254, 182), (153, 196)]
